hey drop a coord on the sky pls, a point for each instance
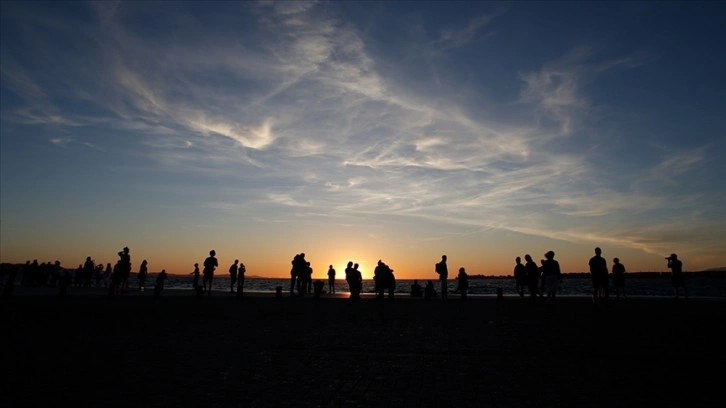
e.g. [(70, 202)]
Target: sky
[(361, 131)]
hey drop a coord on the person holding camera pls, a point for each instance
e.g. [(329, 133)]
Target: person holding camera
[(677, 278)]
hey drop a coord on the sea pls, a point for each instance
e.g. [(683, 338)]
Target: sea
[(637, 286)]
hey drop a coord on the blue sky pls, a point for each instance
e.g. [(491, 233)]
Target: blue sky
[(363, 130)]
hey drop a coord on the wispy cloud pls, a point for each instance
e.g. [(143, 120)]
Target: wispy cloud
[(301, 111)]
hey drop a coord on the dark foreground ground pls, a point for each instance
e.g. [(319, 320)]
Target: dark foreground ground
[(179, 351)]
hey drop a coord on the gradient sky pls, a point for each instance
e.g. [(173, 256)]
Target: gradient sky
[(362, 131)]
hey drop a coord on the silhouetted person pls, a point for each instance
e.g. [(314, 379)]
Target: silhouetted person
[(308, 280), (241, 279), (210, 264), (551, 275), (143, 273), (233, 275), (599, 271), (520, 276), (532, 277), (88, 268), (443, 272), (107, 275), (430, 291), (116, 279), (354, 279), (463, 280), (357, 281), (160, 280), (331, 279), (97, 274), (416, 289), (124, 268), (297, 274), (195, 273), (384, 279), (619, 278), (349, 277), (677, 278), (318, 286)]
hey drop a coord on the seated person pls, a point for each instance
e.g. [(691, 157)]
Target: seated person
[(416, 290), (429, 291)]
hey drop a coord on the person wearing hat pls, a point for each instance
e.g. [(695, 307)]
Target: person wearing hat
[(677, 278)]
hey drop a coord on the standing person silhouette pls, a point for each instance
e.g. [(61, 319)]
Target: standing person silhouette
[(241, 279), (210, 264), (195, 273), (551, 275), (233, 275), (143, 272), (520, 276), (331, 279), (357, 281), (443, 272), (532, 277), (677, 278), (619, 278), (599, 271), (297, 272), (88, 268), (349, 278), (463, 279), (107, 275), (160, 280), (124, 270)]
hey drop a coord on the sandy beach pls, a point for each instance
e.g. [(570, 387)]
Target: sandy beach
[(218, 351)]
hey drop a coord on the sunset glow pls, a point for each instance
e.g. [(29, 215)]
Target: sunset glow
[(362, 131)]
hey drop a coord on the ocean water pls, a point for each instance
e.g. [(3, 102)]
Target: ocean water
[(698, 286)]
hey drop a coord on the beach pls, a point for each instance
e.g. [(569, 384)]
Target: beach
[(263, 351)]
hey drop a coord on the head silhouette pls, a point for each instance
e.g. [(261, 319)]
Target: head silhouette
[(528, 258), (549, 254), (518, 260), (598, 251), (212, 253)]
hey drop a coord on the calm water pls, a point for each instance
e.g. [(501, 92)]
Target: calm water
[(634, 286)]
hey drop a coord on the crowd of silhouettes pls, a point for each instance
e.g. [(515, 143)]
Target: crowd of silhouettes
[(541, 282)]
